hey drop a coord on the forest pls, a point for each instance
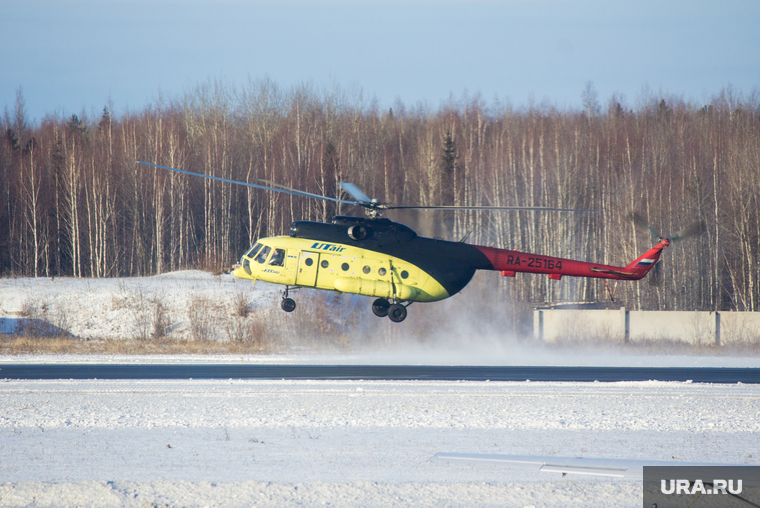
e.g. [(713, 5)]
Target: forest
[(74, 203)]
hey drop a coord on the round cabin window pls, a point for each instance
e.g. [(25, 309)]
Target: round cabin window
[(309, 262), (404, 274), (381, 272), (366, 269), (345, 267), (325, 264)]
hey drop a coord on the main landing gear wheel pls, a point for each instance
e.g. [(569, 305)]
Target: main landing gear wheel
[(288, 304), (380, 307), (397, 312)]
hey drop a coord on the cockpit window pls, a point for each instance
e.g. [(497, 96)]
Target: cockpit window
[(251, 253), (278, 258), (263, 254)]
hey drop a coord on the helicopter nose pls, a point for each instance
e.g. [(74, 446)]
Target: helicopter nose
[(244, 271)]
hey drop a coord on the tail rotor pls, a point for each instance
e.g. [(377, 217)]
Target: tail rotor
[(695, 229)]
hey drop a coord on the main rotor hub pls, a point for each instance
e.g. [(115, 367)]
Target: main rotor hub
[(372, 212)]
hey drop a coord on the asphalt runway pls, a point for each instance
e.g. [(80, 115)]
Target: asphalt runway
[(379, 372)]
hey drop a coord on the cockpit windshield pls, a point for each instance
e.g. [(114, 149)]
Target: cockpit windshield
[(251, 253)]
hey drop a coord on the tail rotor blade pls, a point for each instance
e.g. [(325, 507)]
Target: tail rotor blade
[(696, 229), (655, 276), (641, 223)]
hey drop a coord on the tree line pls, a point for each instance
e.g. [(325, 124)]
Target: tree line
[(74, 202)]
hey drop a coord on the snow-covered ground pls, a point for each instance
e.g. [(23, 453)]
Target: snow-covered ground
[(351, 443), (335, 443), (121, 307)]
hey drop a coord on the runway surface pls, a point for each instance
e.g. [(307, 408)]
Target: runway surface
[(380, 372)]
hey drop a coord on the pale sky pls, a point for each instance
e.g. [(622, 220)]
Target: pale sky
[(74, 55)]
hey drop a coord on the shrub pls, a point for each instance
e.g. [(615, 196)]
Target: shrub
[(202, 319)]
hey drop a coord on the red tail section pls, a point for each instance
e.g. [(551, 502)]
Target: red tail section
[(508, 262)]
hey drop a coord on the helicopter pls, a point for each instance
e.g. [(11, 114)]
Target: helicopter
[(376, 257)]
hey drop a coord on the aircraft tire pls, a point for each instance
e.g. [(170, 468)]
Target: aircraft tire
[(380, 307), (397, 312), (288, 304)]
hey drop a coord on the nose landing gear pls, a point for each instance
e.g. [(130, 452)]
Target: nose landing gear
[(287, 304)]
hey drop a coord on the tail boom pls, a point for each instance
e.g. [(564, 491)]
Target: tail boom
[(508, 262)]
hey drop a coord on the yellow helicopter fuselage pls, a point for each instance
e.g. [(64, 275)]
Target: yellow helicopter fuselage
[(302, 262)]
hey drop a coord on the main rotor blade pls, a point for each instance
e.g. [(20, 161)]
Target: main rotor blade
[(277, 186), (283, 189), (355, 192), (362, 199), (696, 229), (539, 208)]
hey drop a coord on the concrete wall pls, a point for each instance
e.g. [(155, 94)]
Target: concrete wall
[(693, 327), (579, 324), (739, 327)]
